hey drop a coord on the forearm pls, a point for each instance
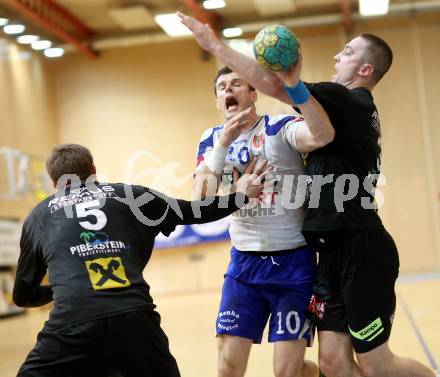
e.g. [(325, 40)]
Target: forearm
[(250, 71), (211, 209), (317, 122), (28, 296), (205, 183)]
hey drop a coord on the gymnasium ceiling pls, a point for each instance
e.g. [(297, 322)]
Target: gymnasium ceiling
[(97, 13), (110, 29)]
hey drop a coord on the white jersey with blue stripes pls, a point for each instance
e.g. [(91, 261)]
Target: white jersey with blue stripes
[(272, 222)]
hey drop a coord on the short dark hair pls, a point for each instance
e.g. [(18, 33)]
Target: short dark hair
[(379, 54), (70, 159), (224, 71)]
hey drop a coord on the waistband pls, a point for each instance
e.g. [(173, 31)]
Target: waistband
[(271, 253)]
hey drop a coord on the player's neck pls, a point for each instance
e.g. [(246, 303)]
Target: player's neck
[(253, 120)]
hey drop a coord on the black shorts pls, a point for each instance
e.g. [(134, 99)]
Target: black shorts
[(132, 344), (354, 289)]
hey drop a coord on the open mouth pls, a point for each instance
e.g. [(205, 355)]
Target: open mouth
[(231, 102)]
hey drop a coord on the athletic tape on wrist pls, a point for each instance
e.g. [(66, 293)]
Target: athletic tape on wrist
[(298, 94), (216, 160)]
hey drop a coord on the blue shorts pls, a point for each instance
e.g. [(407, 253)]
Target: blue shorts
[(257, 288)]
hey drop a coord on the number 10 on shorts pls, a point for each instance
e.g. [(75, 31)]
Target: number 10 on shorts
[(286, 323)]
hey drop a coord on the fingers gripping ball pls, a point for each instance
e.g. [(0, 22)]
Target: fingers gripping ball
[(276, 48)]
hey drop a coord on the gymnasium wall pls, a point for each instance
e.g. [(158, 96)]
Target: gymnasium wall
[(28, 121), (139, 107), (142, 109)]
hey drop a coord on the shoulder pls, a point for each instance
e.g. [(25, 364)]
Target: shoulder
[(209, 137), (275, 123), (335, 92), (363, 96), (39, 211), (210, 132)]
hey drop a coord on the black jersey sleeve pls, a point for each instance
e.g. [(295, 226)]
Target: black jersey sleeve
[(333, 97), (166, 212), (211, 209), (31, 266), (31, 269), (30, 296), (342, 107)]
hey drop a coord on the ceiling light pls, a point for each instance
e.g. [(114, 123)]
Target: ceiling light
[(54, 52), (232, 32), (244, 46), (41, 45), (373, 8), (14, 29), (133, 17), (3, 21), (214, 4), (27, 39), (171, 24)]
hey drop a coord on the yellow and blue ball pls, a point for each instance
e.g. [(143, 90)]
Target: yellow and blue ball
[(276, 48)]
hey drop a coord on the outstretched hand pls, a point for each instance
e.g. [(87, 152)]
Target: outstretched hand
[(203, 33), (251, 183)]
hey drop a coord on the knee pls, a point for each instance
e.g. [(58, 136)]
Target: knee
[(327, 362), (229, 366), (333, 363), (373, 369), (286, 370)]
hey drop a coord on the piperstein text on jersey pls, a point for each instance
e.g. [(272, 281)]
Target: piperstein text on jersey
[(102, 247)]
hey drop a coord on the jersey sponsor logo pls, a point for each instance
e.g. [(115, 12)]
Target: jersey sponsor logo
[(107, 273), (228, 320), (264, 205), (257, 143), (81, 195), (94, 238), (317, 307), (97, 243), (369, 332)]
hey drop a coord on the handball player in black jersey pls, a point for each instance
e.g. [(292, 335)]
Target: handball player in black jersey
[(94, 241), (354, 300)]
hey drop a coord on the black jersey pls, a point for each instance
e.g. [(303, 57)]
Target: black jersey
[(342, 176), (95, 241)]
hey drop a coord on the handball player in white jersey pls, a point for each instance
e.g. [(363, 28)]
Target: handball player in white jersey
[(271, 271)]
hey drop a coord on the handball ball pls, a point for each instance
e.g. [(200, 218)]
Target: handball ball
[(276, 48)]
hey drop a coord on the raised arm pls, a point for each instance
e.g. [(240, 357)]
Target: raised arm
[(318, 130), (247, 68)]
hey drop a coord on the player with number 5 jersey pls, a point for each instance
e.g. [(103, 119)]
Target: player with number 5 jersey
[(94, 240)]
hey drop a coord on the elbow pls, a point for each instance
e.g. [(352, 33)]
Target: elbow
[(330, 136), (19, 301), (321, 140), (326, 137)]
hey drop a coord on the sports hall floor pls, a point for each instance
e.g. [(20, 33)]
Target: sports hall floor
[(188, 320)]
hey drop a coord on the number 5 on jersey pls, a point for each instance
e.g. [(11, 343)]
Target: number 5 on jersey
[(91, 209)]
